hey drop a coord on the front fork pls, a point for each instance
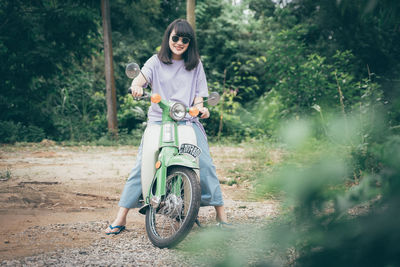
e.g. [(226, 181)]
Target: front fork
[(160, 177), (169, 149)]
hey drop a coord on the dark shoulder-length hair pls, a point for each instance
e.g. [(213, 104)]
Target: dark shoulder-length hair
[(182, 28)]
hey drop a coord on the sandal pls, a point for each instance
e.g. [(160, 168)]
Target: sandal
[(119, 227), (224, 225)]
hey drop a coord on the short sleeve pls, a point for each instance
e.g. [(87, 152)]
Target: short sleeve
[(148, 68), (201, 83)]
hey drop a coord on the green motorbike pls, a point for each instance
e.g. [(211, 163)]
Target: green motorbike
[(170, 181)]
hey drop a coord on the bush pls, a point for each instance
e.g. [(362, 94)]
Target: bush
[(328, 218), (8, 132), (31, 133), (11, 132)]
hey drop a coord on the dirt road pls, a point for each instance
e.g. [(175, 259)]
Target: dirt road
[(57, 200)]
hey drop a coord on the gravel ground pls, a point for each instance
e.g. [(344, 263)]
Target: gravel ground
[(128, 249), (80, 186), (132, 247)]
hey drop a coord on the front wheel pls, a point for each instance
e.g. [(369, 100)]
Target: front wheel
[(169, 224)]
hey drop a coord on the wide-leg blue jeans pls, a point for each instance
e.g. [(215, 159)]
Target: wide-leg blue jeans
[(211, 194)]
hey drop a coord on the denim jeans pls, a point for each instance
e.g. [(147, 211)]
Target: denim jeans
[(211, 194)]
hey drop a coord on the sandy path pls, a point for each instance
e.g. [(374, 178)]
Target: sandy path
[(56, 197)]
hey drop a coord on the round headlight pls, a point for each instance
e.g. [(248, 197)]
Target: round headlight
[(178, 111)]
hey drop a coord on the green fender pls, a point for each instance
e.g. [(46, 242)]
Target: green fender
[(177, 160), (183, 160)]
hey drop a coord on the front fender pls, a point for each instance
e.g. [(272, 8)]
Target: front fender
[(183, 160)]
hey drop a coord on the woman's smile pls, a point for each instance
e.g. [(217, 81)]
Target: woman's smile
[(179, 48)]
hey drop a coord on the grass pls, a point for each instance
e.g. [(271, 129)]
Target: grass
[(5, 175), (260, 156)]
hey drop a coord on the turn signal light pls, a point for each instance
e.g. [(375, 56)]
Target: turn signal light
[(158, 164), (155, 98), (193, 111)]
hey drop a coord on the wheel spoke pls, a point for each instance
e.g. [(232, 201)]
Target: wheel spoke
[(162, 229), (171, 222)]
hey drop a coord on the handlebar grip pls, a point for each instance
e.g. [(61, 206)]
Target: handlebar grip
[(145, 95)]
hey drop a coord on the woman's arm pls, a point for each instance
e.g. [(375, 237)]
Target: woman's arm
[(137, 85), (205, 113)]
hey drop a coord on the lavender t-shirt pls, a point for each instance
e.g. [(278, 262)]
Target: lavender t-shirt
[(174, 83)]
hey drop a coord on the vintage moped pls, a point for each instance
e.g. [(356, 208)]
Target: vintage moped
[(170, 171)]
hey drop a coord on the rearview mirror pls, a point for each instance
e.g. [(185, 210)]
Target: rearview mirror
[(132, 70), (213, 99)]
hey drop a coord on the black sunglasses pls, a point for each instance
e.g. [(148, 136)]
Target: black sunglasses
[(175, 39)]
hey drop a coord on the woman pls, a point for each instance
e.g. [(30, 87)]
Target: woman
[(177, 74)]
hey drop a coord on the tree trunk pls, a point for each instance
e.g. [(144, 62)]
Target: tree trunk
[(109, 70), (190, 14)]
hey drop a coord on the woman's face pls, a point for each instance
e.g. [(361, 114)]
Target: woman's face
[(177, 45)]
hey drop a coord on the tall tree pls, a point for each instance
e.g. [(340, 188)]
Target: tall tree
[(109, 70), (190, 13)]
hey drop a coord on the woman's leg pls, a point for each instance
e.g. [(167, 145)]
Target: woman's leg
[(130, 195), (119, 221), (221, 215), (211, 194)]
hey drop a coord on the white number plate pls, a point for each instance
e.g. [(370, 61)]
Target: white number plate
[(190, 149)]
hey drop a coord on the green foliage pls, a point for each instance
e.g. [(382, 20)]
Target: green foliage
[(132, 138), (361, 230), (8, 132), (78, 108), (329, 217), (33, 50), (269, 62), (367, 28), (6, 175), (232, 44), (273, 60), (11, 132), (304, 80), (52, 71), (338, 180), (133, 113)]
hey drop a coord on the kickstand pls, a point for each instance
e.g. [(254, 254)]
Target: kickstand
[(198, 223)]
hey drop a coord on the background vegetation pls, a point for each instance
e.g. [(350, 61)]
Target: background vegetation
[(320, 78), (269, 61)]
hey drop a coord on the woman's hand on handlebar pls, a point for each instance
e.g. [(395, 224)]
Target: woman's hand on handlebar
[(205, 113), (137, 91)]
